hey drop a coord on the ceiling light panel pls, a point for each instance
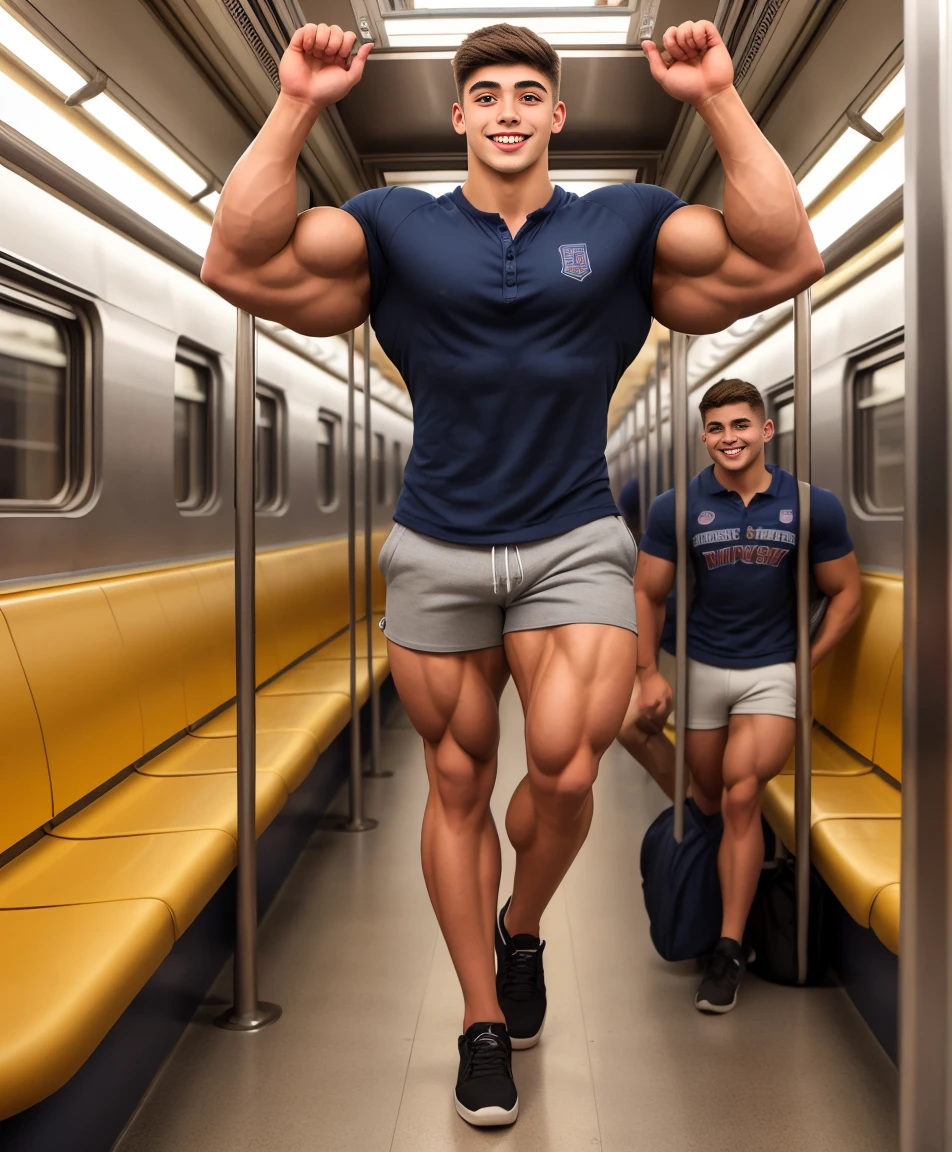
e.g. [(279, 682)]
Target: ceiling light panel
[(834, 161), (22, 44), (560, 30), (63, 139), (888, 104), (883, 177), (139, 139)]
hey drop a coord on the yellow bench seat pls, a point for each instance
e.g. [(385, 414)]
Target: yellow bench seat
[(884, 918), (322, 714), (833, 797), (68, 974), (314, 676), (858, 858), (290, 755), (830, 758), (142, 805), (182, 869)]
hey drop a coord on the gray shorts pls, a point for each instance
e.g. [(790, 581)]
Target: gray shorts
[(458, 597), (716, 694)]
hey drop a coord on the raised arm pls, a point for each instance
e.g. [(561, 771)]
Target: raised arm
[(712, 268), (309, 272)]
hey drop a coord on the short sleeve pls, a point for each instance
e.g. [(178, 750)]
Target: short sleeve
[(829, 536), (644, 208), (366, 210), (659, 538)]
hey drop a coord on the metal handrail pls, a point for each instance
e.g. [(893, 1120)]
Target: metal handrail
[(802, 382), (247, 1013), (679, 432), (376, 771)]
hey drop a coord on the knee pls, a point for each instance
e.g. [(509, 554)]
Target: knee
[(562, 795), (463, 784), (740, 805)]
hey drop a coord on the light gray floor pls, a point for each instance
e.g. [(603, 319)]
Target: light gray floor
[(364, 1057)]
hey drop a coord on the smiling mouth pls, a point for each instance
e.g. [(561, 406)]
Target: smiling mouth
[(733, 453), (509, 141)]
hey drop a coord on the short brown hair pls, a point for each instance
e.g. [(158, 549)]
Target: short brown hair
[(726, 392), (506, 44)]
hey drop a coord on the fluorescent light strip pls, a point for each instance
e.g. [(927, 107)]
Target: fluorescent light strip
[(470, 5), (426, 32), (868, 191), (139, 139), (64, 140), (211, 201), (438, 183), (836, 159), (22, 44), (889, 103)]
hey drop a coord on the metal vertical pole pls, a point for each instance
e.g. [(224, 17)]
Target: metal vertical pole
[(665, 371), (659, 436), (246, 1014), (802, 384), (679, 433), (356, 822), (925, 1064), (370, 498)]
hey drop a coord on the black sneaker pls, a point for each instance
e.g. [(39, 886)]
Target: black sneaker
[(718, 989), (520, 983), (485, 1092)]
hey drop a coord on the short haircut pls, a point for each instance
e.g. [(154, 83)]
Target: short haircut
[(506, 44), (735, 391)]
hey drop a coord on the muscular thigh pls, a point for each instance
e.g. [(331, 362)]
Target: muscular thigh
[(575, 683), (452, 694), (757, 746)]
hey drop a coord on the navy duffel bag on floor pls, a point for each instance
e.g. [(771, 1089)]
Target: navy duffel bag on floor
[(681, 885)]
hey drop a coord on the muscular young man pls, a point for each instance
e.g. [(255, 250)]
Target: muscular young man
[(511, 308), (743, 520)]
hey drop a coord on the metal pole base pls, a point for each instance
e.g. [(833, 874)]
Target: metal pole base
[(262, 1016), (364, 824)]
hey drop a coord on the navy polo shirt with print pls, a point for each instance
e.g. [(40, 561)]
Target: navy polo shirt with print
[(744, 613), (511, 348)]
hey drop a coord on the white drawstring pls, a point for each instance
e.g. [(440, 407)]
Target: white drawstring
[(519, 578)]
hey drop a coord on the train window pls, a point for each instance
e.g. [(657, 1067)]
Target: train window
[(194, 401), (328, 455), (397, 467), (879, 393), (267, 450), (380, 467), (35, 409), (781, 449)]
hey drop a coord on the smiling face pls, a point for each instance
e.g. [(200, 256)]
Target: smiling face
[(507, 114), (735, 436)]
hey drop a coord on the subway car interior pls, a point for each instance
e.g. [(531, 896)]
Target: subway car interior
[(152, 877)]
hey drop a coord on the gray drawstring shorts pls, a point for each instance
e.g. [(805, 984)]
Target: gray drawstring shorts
[(459, 597)]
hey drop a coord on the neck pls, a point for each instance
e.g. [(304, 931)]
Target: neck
[(746, 484), (511, 197)]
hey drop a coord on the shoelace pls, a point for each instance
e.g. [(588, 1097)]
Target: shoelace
[(720, 965), (487, 1057), (521, 980)]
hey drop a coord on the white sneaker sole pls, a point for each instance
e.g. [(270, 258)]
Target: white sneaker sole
[(493, 1117), (520, 1043), (716, 1009)]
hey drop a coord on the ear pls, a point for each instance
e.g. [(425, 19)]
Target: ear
[(459, 124), (558, 118), (769, 430)]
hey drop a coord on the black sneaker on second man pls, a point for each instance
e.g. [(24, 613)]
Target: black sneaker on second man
[(485, 1091), (520, 982), (718, 990)]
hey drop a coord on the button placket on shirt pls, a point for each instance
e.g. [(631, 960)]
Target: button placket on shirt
[(509, 289)]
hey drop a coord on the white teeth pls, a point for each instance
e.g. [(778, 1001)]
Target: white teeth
[(508, 139)]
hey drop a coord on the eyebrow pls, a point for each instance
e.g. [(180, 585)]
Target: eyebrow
[(492, 85)]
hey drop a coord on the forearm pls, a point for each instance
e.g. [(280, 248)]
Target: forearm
[(762, 209), (650, 616), (258, 208), (841, 615)]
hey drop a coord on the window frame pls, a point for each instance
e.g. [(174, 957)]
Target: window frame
[(278, 502), (878, 355), (198, 357), (781, 396), (336, 422), (28, 294)]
